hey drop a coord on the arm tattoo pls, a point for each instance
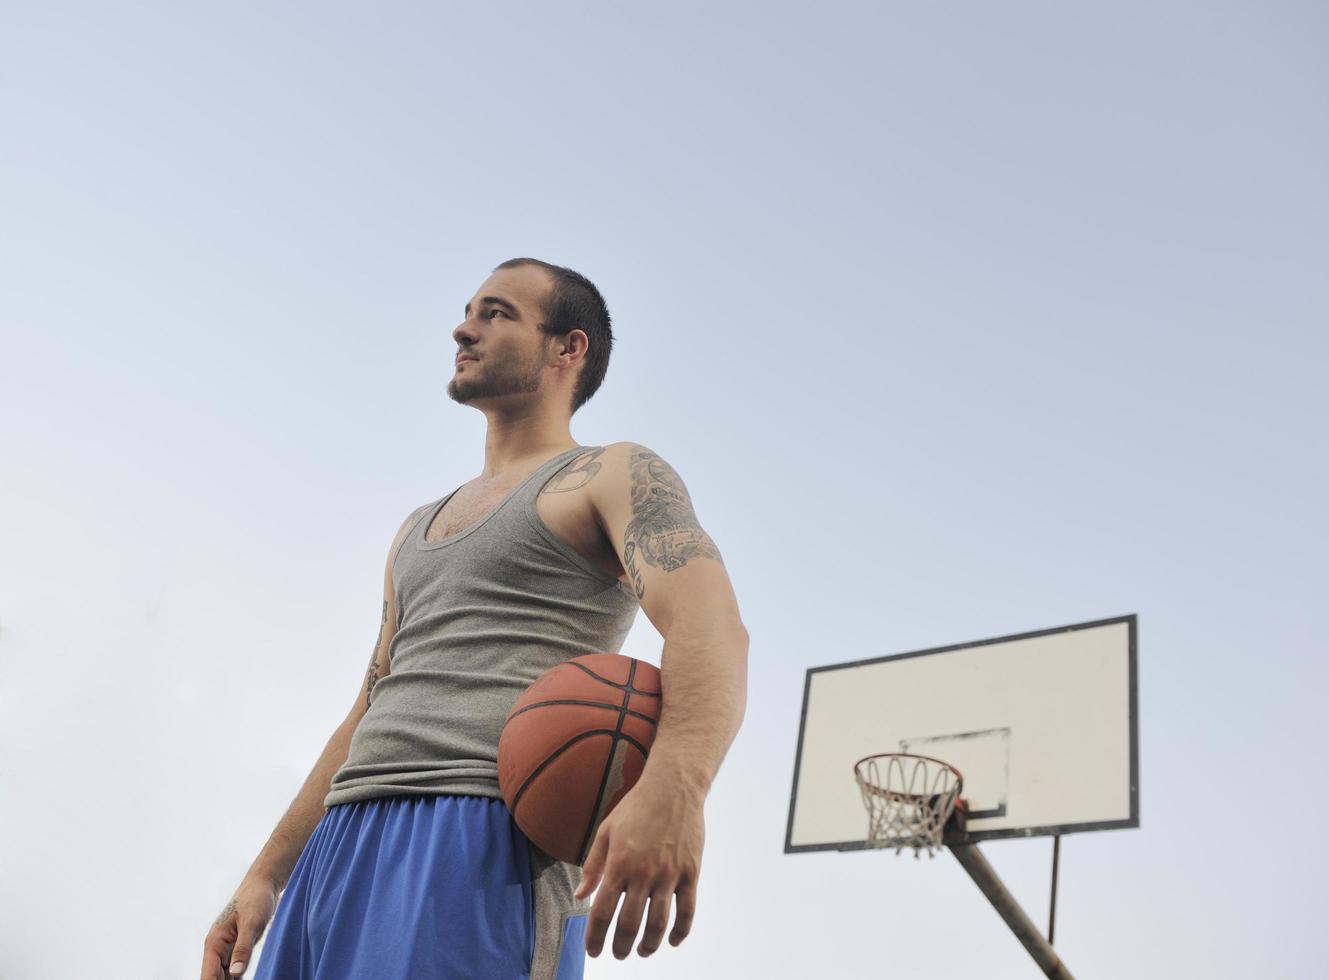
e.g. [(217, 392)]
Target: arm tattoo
[(664, 529), (576, 476), (226, 913), (373, 660)]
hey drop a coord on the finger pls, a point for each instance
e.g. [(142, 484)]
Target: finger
[(629, 921), (215, 960), (593, 866), (657, 921), (217, 953), (250, 930), (601, 914), (687, 907), (212, 965)]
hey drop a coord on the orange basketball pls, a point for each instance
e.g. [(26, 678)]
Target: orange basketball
[(574, 743)]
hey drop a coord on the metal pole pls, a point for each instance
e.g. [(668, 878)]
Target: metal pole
[(972, 860), (1052, 910)]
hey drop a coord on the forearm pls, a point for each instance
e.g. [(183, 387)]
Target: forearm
[(277, 859), (703, 677)]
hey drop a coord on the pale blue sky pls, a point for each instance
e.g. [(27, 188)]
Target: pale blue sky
[(957, 323)]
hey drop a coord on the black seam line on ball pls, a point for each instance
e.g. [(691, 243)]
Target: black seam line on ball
[(589, 704), (622, 687), (609, 762), (567, 745)]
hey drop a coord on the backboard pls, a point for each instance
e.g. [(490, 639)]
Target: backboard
[(1042, 727)]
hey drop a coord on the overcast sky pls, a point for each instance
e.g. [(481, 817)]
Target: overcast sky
[(957, 321)]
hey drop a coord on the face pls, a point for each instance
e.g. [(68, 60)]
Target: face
[(501, 331)]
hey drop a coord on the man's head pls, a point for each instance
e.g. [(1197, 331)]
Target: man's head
[(529, 326)]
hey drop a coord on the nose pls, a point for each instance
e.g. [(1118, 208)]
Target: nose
[(465, 334)]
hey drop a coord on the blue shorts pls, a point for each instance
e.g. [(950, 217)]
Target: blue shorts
[(433, 887)]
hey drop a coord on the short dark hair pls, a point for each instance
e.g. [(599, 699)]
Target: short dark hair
[(574, 303)]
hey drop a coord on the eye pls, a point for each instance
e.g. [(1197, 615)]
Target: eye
[(495, 310)]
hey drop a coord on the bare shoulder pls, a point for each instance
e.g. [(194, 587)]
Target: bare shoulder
[(602, 467), (645, 473), (647, 492), (623, 473), (672, 563)]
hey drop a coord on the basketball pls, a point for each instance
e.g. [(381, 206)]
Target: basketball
[(573, 744)]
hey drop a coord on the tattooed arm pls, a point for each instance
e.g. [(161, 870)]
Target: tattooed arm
[(646, 512), (650, 844), (680, 579)]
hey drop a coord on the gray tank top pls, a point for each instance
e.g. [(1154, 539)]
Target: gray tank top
[(480, 615)]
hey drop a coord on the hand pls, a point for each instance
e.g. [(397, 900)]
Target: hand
[(650, 847), (232, 938)]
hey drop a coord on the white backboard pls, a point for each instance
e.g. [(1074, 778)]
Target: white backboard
[(1042, 727)]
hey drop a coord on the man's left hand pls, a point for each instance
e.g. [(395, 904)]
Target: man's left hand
[(649, 846)]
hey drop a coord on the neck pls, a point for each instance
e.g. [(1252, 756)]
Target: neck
[(515, 443)]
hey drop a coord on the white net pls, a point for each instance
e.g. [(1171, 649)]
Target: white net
[(909, 798)]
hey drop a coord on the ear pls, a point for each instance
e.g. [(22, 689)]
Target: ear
[(572, 345)]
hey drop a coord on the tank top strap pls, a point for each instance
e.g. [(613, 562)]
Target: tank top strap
[(541, 477), (507, 512)]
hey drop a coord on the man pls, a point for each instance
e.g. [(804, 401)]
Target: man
[(398, 857)]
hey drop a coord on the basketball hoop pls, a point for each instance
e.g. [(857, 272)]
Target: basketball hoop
[(909, 807)]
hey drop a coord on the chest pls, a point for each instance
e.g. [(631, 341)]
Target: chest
[(563, 504)]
